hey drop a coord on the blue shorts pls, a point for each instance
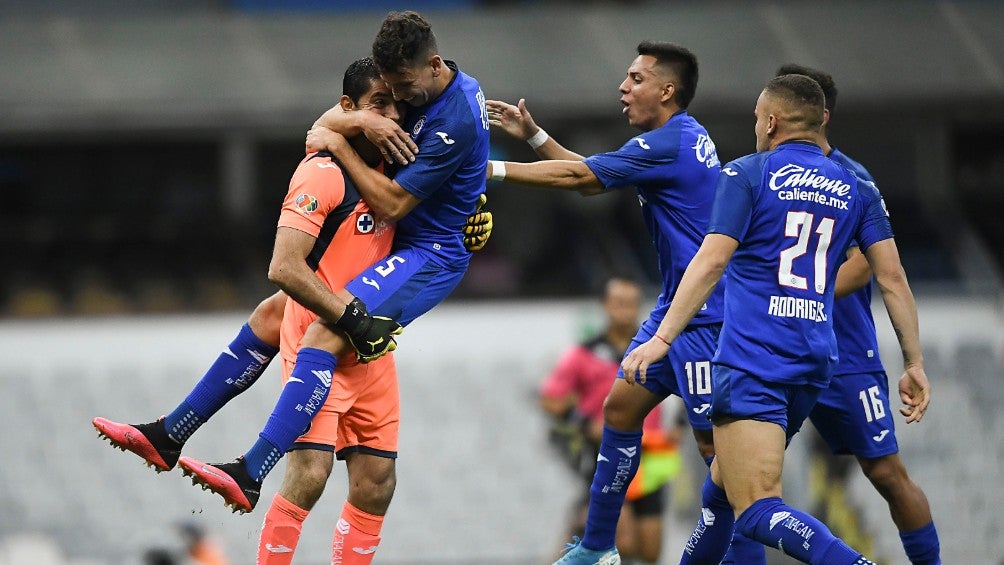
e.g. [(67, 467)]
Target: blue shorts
[(743, 396), (685, 372), (405, 285), (854, 417)]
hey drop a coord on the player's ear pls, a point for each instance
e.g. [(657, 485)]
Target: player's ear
[(826, 117), (436, 62), (346, 103), (668, 91), (771, 123)]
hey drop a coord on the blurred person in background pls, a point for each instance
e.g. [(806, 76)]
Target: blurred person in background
[(853, 415), (322, 215), (782, 220), (573, 395), (673, 165)]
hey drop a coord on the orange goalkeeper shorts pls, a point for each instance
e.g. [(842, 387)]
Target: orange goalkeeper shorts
[(362, 412)]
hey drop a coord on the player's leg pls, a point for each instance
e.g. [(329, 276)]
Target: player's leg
[(624, 412), (372, 481), (627, 533), (404, 285), (237, 368), (648, 525), (908, 506), (854, 416), (307, 471), (304, 393), (754, 420)]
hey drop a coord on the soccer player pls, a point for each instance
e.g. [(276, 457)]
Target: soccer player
[(573, 395), (782, 221), (322, 223), (853, 414), (673, 164)]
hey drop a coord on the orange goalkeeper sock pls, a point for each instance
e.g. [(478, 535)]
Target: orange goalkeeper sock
[(281, 532), (357, 535)]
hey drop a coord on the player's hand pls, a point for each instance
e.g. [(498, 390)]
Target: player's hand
[(320, 138), (371, 336), (915, 393), (514, 120), (393, 142), (638, 361), (479, 226)]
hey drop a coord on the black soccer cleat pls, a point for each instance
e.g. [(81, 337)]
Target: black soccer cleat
[(149, 441), (231, 480)]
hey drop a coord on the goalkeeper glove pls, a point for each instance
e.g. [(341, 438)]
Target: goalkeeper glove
[(371, 336), (478, 228)]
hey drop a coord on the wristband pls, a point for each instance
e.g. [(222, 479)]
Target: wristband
[(662, 339), (538, 138), (498, 170)]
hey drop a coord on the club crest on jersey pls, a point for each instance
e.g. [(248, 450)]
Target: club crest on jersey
[(365, 223), (306, 203), (418, 126)]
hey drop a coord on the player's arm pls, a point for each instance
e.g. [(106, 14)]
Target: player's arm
[(853, 275), (517, 122), (914, 389), (290, 272), (561, 175), (394, 143), (384, 196), (371, 336), (696, 285)]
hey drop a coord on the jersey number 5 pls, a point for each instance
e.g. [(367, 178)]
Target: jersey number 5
[(799, 224)]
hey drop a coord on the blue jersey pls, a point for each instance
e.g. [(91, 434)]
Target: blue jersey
[(674, 169), (853, 324), (448, 174), (794, 212)]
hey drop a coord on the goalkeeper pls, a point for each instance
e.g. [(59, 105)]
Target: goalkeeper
[(327, 235), (573, 394)]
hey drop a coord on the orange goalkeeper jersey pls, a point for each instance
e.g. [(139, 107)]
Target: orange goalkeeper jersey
[(323, 202)]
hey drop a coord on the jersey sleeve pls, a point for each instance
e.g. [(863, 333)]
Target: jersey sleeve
[(442, 149), (733, 205), (622, 168), (317, 188), (875, 225), (563, 379)]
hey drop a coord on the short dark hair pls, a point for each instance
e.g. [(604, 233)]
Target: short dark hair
[(824, 79), (359, 78), (403, 39), (804, 95), (681, 61)]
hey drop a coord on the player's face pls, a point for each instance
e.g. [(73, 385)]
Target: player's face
[(643, 92), (622, 304), (380, 100), (762, 113), (414, 84)]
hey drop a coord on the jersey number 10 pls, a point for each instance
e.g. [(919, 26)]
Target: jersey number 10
[(799, 224)]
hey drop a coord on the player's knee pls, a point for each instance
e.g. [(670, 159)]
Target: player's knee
[(373, 491), (887, 474), (266, 319), (320, 336), (621, 414)]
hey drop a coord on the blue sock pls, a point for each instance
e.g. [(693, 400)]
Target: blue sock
[(236, 369), (742, 550), (301, 398), (616, 465), (772, 522), (922, 545), (711, 538)]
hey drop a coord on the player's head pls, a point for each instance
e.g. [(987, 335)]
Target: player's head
[(789, 108), (405, 51), (363, 89), (825, 82), (622, 303), (660, 81)]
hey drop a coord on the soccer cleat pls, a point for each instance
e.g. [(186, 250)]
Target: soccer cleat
[(230, 480), (149, 441), (578, 555)]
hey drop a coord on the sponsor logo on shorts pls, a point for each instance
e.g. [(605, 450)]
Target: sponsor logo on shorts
[(881, 435)]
